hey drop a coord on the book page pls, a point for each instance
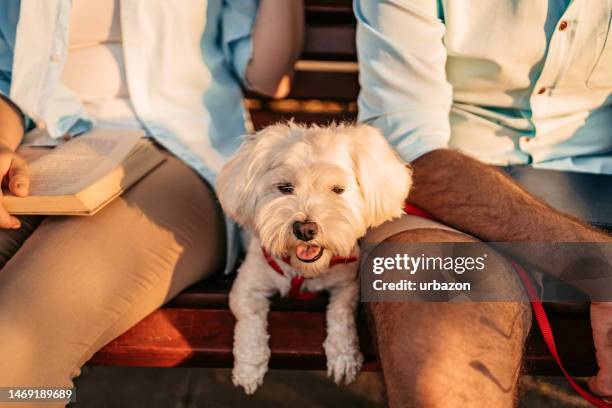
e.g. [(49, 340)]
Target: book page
[(76, 164)]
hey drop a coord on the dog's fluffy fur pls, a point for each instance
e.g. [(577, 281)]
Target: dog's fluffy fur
[(345, 179)]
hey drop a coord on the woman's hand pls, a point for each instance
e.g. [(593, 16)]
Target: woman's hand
[(14, 172), (13, 169), (601, 321)]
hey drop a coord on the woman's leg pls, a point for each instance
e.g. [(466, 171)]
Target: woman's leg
[(79, 282)]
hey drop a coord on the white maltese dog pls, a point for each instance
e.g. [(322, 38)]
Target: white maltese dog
[(306, 195)]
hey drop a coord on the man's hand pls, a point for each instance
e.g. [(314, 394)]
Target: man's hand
[(601, 321), (14, 175)]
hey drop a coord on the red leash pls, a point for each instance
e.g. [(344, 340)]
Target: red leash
[(549, 338), (541, 318), (296, 291)]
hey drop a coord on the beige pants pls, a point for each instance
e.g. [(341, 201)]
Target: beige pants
[(70, 285)]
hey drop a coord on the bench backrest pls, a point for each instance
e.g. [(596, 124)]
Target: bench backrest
[(325, 86)]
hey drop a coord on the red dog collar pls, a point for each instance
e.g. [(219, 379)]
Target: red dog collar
[(297, 281)]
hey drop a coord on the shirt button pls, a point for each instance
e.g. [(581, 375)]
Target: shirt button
[(563, 25), (541, 90)]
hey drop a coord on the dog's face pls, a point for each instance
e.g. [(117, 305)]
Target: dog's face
[(311, 192)]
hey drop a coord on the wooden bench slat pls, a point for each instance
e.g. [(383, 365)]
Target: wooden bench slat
[(203, 337), (325, 85), (329, 6), (330, 43), (334, 86)]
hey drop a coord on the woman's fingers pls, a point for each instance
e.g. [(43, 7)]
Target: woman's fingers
[(9, 160), (6, 219), (19, 180)]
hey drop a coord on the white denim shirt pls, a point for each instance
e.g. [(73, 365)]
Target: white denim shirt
[(508, 82), (185, 61)]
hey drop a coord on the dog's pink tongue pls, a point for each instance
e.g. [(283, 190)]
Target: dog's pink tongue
[(307, 252)]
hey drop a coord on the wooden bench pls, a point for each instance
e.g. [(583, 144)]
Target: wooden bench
[(196, 328)]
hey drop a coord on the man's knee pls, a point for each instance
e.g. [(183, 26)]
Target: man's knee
[(421, 317), (443, 348)]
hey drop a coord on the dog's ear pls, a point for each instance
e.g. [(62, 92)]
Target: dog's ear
[(237, 186), (383, 177)]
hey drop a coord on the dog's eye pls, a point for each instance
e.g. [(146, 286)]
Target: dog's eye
[(338, 189), (285, 188)]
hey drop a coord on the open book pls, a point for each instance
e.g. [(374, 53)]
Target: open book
[(81, 176)]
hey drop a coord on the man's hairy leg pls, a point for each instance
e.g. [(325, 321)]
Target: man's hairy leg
[(451, 354)]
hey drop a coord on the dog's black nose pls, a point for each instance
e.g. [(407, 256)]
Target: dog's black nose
[(305, 231)]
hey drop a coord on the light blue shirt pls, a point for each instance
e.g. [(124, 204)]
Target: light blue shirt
[(184, 72), (517, 82)]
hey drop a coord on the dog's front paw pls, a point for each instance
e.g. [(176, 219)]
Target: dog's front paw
[(249, 376), (344, 366)]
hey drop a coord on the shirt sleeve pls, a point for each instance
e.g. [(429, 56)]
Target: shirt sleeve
[(8, 28), (402, 58), (237, 21)]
